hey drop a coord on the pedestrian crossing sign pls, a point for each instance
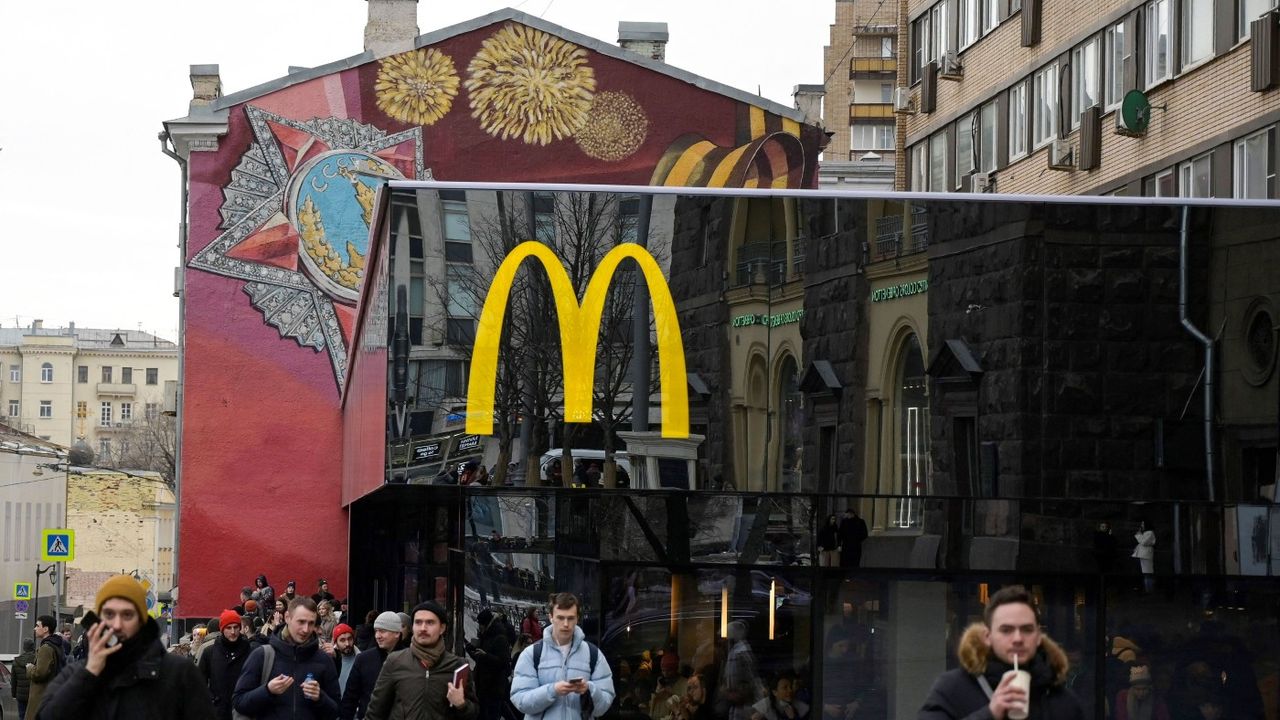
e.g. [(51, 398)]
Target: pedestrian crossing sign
[(22, 591), (58, 545)]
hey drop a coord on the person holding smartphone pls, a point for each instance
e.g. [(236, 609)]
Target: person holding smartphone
[(562, 677), (126, 673)]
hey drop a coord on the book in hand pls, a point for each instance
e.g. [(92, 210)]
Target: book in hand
[(461, 675)]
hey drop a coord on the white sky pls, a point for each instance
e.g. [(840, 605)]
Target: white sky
[(88, 204)]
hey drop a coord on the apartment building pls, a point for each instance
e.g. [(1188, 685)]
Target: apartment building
[(1164, 98), (61, 384)]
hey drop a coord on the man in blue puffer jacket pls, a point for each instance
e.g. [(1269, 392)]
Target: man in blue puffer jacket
[(555, 678), (302, 683)]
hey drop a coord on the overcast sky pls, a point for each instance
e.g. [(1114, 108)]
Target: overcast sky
[(88, 204)]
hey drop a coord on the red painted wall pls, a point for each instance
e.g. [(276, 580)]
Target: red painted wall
[(266, 343)]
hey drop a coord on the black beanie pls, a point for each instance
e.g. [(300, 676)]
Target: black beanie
[(433, 608)]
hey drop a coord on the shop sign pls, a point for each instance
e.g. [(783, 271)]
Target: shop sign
[(785, 318), (893, 292), (426, 451)]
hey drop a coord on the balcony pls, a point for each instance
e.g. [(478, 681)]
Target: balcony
[(125, 389), (765, 263), (892, 242), (869, 67), (863, 111), (117, 426)]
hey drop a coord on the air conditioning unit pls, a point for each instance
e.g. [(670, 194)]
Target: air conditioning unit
[(1062, 156), (984, 182), (950, 68), (903, 102)]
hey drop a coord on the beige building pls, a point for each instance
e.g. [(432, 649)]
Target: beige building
[(1154, 98), (124, 523), (61, 384)]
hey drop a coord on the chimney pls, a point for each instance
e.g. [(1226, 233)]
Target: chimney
[(644, 38), (37, 324), (392, 27), (808, 99), (206, 85)]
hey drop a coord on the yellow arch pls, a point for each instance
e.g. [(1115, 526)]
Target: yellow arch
[(579, 331)]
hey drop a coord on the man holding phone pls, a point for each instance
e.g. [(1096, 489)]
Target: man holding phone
[(563, 676), (424, 681), (301, 681), (126, 672)]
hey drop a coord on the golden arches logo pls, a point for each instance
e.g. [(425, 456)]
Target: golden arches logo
[(579, 331)]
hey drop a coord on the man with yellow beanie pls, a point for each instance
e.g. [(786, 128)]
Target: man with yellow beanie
[(127, 673)]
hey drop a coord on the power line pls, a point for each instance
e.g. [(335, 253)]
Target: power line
[(865, 29)]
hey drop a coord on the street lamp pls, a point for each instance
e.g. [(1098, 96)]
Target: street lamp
[(59, 587)]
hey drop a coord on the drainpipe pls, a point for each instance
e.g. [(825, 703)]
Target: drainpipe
[(165, 147), (1205, 340)]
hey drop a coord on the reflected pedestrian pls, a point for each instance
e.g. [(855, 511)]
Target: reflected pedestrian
[(829, 542), (1144, 551), (853, 531)]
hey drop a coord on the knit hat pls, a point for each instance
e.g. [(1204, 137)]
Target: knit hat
[(433, 608), (484, 617), (1139, 675), (251, 606), (342, 629), (122, 586), (1124, 649), (405, 620), (229, 617), (213, 625), (387, 621)]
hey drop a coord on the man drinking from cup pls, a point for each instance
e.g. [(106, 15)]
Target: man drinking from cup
[(1009, 669)]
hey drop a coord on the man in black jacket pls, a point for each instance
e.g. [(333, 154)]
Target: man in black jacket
[(302, 683), (127, 673), (223, 661), (853, 531), (364, 674), (492, 653), (984, 685), (21, 683)]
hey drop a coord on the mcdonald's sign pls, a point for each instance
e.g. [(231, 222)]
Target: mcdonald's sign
[(579, 331)]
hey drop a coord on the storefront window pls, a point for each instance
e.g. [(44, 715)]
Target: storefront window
[(911, 404), (792, 420)]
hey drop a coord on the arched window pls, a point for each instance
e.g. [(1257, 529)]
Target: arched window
[(46, 373), (911, 404), (791, 421)]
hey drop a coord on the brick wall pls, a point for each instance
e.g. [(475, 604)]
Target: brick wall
[(851, 18)]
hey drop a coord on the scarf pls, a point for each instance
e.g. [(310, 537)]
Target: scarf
[(428, 655)]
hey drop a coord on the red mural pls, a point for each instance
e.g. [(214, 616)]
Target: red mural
[(279, 231)]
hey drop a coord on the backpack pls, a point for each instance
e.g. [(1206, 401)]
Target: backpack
[(268, 660), (586, 704)]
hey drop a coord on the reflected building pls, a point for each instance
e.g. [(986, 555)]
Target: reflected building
[(987, 383)]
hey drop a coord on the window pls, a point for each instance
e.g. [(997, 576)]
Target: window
[(433, 380), (1116, 63), (886, 92), (1084, 79), (544, 217), (1159, 185), (462, 307), (911, 410), (1044, 105), (106, 373), (872, 136), (104, 448), (1250, 10), (921, 46), (1195, 177), (126, 412), (46, 372), (920, 166), (1197, 31), (966, 131), (970, 27), (15, 408), (1253, 174), (15, 373), (82, 409), (46, 408), (151, 411), (153, 376), (628, 219), (82, 374), (990, 15), (1014, 6), (941, 34), (126, 375), (457, 231), (104, 419), (1018, 120), (886, 47), (938, 162), (1159, 43), (986, 138)]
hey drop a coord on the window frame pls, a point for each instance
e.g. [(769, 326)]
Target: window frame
[(919, 154), (15, 373), (1080, 77), (105, 414), (1018, 110), (46, 409), (1244, 19), (992, 142), (1151, 43), (153, 376), (1240, 164), (1187, 172), (968, 23), (938, 148), (1044, 84), (1188, 25), (1153, 182), (966, 126), (107, 374), (82, 374), (46, 372), (15, 408), (1113, 72)]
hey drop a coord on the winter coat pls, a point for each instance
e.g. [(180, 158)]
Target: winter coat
[(493, 660), (21, 682), (1145, 549), (829, 537), (254, 699), (957, 695), (156, 686), (533, 690), (364, 674), (407, 691), (221, 668), (50, 660)]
